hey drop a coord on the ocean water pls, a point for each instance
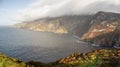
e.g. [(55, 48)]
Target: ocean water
[(46, 47)]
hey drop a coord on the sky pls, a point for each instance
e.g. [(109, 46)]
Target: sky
[(16, 11)]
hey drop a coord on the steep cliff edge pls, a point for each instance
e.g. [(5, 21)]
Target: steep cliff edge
[(91, 28), (65, 24), (103, 22), (105, 30)]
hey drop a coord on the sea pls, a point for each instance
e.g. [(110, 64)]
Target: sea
[(27, 45)]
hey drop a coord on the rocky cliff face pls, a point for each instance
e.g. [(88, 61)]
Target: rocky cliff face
[(105, 30), (64, 24), (111, 39), (102, 23), (92, 28)]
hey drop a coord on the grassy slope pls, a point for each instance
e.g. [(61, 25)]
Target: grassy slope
[(6, 61), (95, 58)]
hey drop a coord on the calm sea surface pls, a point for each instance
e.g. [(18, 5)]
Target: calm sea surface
[(39, 46)]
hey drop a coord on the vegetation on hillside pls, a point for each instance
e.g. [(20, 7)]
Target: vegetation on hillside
[(6, 61), (95, 58)]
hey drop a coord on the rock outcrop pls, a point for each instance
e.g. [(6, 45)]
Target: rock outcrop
[(81, 58)]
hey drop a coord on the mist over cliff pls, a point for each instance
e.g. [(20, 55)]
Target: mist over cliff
[(55, 8), (91, 20)]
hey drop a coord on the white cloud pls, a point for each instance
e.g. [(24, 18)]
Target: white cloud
[(6, 16), (52, 8), (115, 2)]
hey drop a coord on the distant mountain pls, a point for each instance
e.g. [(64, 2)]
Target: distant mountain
[(102, 28)]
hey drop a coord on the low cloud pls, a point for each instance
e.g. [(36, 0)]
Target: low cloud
[(54, 8)]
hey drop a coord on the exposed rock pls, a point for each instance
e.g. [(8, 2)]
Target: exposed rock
[(102, 28), (64, 24), (104, 54)]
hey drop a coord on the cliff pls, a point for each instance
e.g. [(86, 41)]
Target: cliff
[(64, 24), (90, 28), (105, 30)]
